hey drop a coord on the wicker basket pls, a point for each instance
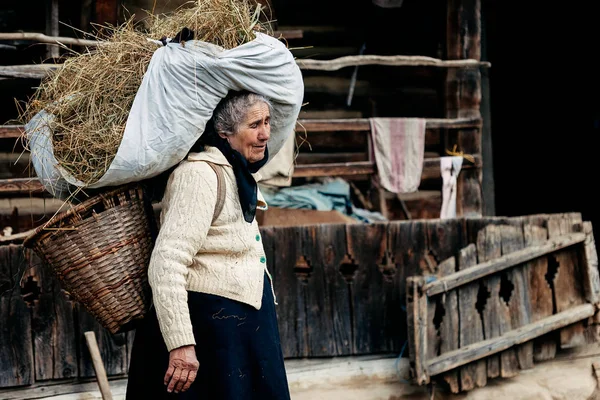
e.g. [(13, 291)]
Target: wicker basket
[(100, 251)]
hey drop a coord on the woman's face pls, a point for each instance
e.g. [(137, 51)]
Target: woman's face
[(253, 134)]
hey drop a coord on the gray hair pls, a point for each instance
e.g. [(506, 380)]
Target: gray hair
[(231, 112)]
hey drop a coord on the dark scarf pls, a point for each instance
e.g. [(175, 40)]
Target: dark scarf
[(242, 169)]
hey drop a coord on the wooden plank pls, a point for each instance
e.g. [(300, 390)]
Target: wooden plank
[(11, 131), (289, 269), (443, 238), (463, 94), (363, 125), (417, 323), (568, 281), (431, 169), (591, 282), (21, 186), (113, 348), (449, 329), (519, 301), (489, 347), (53, 327), (407, 248), (36, 71), (540, 292), (371, 288), (334, 169), (503, 262), (473, 374), (396, 60), (16, 347), (320, 158), (496, 314), (326, 291)]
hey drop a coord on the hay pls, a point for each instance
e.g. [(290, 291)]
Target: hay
[(91, 95)]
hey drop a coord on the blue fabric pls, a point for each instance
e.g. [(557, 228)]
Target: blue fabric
[(237, 346), (327, 196)]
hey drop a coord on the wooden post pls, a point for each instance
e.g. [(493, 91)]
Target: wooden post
[(52, 27), (463, 97), (90, 339)]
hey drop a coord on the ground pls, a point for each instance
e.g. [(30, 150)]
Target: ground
[(385, 377)]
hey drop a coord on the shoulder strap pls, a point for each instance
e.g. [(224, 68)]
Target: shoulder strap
[(220, 190)]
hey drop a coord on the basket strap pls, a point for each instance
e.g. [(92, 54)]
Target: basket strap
[(220, 190)]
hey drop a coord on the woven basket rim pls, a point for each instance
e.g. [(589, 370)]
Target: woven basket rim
[(28, 242)]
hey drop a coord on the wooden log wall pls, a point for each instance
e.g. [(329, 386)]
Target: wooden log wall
[(341, 291)]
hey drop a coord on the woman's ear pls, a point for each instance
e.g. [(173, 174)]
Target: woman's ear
[(222, 135)]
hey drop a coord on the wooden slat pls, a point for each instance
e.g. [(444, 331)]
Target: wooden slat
[(372, 288), (329, 327), (431, 168), (41, 38), (485, 348), (289, 289), (501, 263), (416, 306), (518, 302), (53, 326), (334, 169), (11, 131), (540, 292), (363, 125), (20, 186), (16, 346), (568, 281), (289, 33), (36, 71), (397, 60), (470, 322)]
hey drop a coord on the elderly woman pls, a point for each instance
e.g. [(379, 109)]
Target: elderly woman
[(212, 331)]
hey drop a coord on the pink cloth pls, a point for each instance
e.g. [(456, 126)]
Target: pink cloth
[(398, 149)]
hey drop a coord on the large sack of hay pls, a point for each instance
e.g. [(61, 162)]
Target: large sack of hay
[(133, 107)]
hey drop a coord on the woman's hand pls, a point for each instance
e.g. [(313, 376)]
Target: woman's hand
[(183, 367)]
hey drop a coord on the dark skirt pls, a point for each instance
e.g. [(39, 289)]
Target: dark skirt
[(237, 346)]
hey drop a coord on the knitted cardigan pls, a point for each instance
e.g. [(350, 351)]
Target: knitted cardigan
[(226, 258)]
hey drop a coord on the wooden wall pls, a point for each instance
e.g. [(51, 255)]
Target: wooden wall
[(340, 288)]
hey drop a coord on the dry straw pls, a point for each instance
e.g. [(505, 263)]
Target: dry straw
[(91, 95)]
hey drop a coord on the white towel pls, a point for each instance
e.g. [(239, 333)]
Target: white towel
[(450, 168), (399, 148)]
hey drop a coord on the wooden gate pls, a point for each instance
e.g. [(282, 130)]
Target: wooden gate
[(509, 299)]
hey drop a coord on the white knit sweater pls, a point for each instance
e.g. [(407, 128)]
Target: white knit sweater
[(226, 259)]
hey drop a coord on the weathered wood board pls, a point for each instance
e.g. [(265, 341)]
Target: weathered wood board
[(512, 311)]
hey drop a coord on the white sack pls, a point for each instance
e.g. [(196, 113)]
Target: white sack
[(177, 96)]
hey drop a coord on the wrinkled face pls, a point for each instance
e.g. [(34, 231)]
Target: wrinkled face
[(253, 134)]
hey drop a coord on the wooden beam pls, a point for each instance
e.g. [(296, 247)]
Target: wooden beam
[(288, 34), (476, 351), (334, 169), (54, 39), (20, 186), (412, 61), (36, 71), (52, 27), (431, 168), (501, 263), (11, 131), (41, 38), (363, 125)]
